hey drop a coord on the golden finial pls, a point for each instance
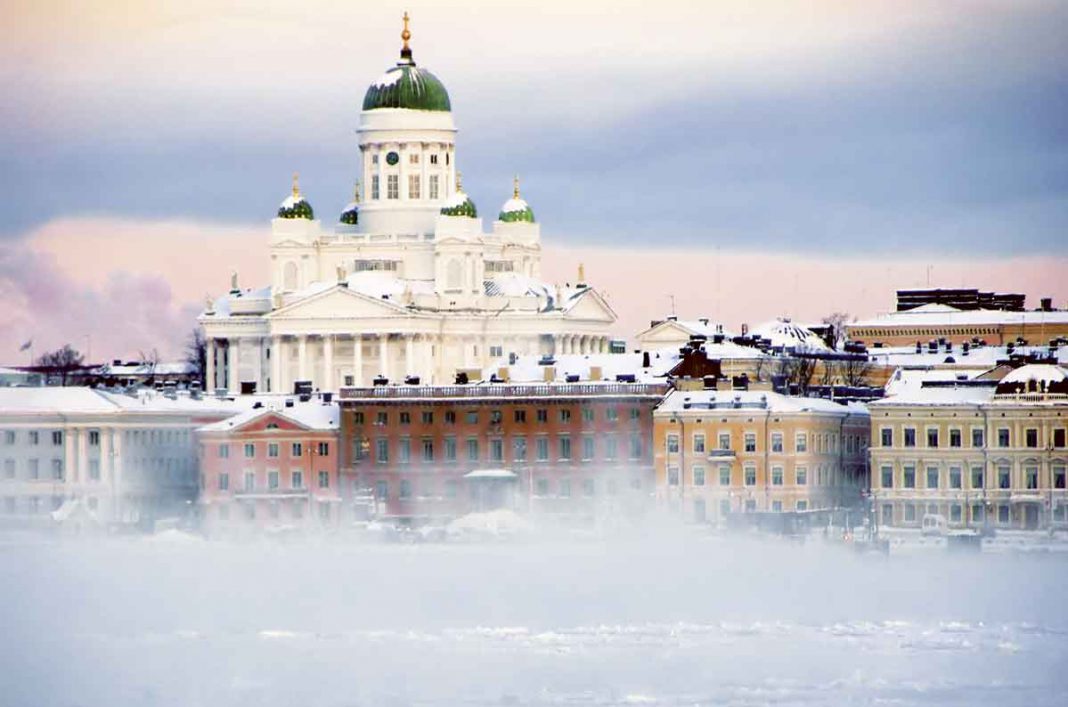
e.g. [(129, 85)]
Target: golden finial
[(356, 193), (515, 187), (581, 274), (459, 181), (406, 35), (296, 184)]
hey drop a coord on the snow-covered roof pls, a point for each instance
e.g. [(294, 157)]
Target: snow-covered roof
[(787, 334), (171, 368), (90, 401), (1038, 372), (516, 285), (977, 356), (680, 400), (221, 306), (490, 474), (313, 414), (529, 369), (944, 315), (514, 204)]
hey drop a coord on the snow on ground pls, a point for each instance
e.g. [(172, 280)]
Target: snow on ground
[(657, 619)]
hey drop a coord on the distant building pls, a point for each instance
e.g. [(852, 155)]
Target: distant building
[(961, 298), (723, 452), (939, 322), (99, 457), (272, 466), (673, 332), (20, 377), (974, 449)]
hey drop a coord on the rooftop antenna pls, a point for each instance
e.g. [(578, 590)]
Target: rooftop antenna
[(672, 304)]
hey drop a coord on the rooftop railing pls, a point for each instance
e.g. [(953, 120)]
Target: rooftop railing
[(505, 390)]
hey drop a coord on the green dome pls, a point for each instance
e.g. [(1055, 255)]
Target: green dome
[(295, 205), (516, 210), (460, 205), (407, 86), (351, 215)]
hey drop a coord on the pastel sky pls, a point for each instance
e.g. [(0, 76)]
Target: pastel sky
[(752, 159)]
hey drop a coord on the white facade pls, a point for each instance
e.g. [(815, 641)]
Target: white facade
[(405, 291)]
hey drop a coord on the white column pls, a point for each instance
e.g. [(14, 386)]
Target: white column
[(209, 357), (409, 355), (116, 478), (383, 354), (357, 359), (302, 357), (276, 364), (328, 362), (105, 455), (234, 366), (261, 385), (82, 463)]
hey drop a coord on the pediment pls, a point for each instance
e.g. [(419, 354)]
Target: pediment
[(591, 307), (337, 303)]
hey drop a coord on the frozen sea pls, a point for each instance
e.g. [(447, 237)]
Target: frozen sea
[(648, 619)]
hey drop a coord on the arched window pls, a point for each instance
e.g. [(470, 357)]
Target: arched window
[(290, 276)]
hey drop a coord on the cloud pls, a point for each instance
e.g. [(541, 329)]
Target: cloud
[(135, 284)]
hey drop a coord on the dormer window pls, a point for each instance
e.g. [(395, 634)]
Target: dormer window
[(413, 158), (433, 159)]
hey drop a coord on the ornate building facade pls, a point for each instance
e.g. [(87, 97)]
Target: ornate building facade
[(407, 284)]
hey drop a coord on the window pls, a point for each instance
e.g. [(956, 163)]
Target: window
[(543, 416), (450, 449), (801, 442), (587, 447), (471, 417), (272, 480), (776, 506), (324, 479), (909, 477), (635, 414), (750, 476), (887, 437), (519, 416), (750, 441), (588, 487), (9, 468), (724, 441), (635, 446), (496, 417), (776, 442), (296, 479), (374, 184), (587, 414), (955, 477), (427, 417), (611, 445), (699, 443), (724, 475), (954, 438), (932, 437), (392, 186), (357, 417), (1031, 478), (954, 513), (381, 490), (451, 487), (450, 417), (1003, 437), (296, 450), (932, 477), (472, 449), (611, 414), (565, 448), (1058, 438), (404, 450), (1031, 438), (1058, 476), (250, 451), (433, 184), (519, 449), (977, 477), (433, 159), (887, 480), (250, 481), (497, 450), (413, 158), (405, 489), (565, 415), (542, 487), (94, 470), (910, 513), (324, 449), (698, 476), (565, 488), (802, 476), (35, 437), (977, 437), (57, 438), (33, 470), (776, 476), (405, 418), (272, 450), (978, 513), (673, 476), (673, 443), (1003, 515), (428, 450), (381, 419), (910, 437), (382, 450), (224, 481), (1004, 476), (94, 438), (542, 449)]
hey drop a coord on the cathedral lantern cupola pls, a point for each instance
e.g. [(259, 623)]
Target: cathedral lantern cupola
[(516, 209), (407, 85), (295, 205), (350, 215), (459, 204)]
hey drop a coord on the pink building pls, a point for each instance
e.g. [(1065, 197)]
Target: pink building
[(274, 466)]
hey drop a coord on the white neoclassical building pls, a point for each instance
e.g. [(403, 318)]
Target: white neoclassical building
[(407, 283)]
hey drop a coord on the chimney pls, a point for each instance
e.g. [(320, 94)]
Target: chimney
[(595, 373), (549, 374), (1046, 304), (502, 374)]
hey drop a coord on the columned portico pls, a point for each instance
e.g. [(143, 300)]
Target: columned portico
[(357, 359), (233, 364), (302, 357), (276, 364), (328, 362), (209, 357)]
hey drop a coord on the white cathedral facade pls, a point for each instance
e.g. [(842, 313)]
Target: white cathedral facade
[(407, 284)]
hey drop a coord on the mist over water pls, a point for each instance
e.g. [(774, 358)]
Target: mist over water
[(662, 617)]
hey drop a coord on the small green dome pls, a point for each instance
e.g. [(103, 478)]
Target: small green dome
[(460, 204), (407, 86), (295, 205), (516, 210), (351, 214)]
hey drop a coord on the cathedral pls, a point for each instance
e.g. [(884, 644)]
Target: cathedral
[(407, 285)]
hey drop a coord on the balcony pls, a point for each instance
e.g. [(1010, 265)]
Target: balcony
[(721, 454), (279, 493)]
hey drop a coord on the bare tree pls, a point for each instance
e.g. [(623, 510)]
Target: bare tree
[(61, 362), (855, 370), (828, 372), (836, 334), (798, 370), (149, 361), (196, 354)]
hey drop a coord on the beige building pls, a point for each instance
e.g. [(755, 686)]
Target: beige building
[(972, 451), (941, 321), (719, 452)]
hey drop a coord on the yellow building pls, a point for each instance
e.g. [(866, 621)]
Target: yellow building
[(973, 451), (734, 451)]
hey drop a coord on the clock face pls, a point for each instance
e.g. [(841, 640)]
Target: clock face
[(392, 158)]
